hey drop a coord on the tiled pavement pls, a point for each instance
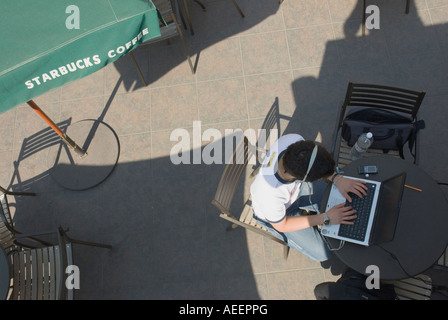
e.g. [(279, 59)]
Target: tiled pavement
[(168, 241)]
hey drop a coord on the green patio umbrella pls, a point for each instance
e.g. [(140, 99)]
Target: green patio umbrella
[(46, 44)]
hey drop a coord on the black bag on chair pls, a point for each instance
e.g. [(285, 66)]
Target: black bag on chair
[(391, 130)]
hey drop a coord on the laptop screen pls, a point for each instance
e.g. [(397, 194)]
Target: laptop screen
[(388, 208)]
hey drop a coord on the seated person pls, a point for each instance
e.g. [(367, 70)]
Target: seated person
[(287, 181)]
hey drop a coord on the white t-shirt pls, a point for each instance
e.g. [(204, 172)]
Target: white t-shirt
[(271, 195)]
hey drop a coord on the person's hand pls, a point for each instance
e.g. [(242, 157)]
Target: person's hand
[(340, 214), (346, 185)]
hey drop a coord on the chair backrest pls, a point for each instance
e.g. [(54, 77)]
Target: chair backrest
[(235, 168), (382, 97), (39, 273), (363, 95)]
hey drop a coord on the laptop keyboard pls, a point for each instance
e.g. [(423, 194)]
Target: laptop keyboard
[(357, 231)]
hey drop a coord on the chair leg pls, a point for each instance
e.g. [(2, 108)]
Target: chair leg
[(140, 74), (181, 35), (187, 12), (232, 227), (16, 193), (21, 193), (183, 20), (238, 8), (407, 6), (94, 244), (178, 12)]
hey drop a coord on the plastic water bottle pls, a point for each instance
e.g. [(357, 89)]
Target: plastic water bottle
[(364, 142)]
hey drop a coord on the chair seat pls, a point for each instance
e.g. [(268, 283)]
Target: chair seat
[(247, 216), (344, 154)]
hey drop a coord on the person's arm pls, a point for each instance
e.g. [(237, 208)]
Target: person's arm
[(346, 185), (339, 214)]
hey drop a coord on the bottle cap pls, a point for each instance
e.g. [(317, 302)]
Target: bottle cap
[(369, 135)]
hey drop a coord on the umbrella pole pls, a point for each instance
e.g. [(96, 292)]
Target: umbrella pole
[(72, 144)]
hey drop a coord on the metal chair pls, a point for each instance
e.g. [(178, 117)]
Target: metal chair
[(8, 233), (415, 288), (225, 192), (169, 28), (41, 273), (361, 95)]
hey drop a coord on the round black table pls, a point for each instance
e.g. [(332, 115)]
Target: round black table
[(4, 275), (421, 233)]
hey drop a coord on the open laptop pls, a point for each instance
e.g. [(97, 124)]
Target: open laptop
[(374, 224)]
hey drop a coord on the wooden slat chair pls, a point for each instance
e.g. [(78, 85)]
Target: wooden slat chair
[(416, 288), (361, 95), (225, 192), (40, 273)]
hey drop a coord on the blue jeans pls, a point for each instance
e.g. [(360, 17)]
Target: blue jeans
[(307, 241)]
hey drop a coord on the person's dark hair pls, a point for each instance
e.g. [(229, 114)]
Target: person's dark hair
[(297, 157)]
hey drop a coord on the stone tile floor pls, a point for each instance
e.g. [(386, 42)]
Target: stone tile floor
[(168, 241)]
